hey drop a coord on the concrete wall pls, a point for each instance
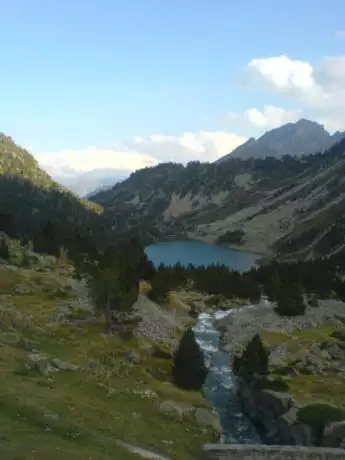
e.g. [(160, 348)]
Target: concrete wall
[(264, 452)]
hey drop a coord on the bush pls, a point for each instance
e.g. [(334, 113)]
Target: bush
[(289, 306), (313, 301), (318, 415), (290, 301)]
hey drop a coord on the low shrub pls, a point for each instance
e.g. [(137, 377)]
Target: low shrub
[(318, 415)]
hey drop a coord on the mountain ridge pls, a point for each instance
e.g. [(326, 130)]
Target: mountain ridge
[(300, 138), (290, 205)]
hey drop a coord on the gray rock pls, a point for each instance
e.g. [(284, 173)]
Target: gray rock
[(334, 434), (53, 417), (22, 289), (147, 393), (63, 365), (293, 432), (10, 338), (321, 353), (276, 362), (45, 365), (40, 362), (205, 418), (172, 410), (334, 350), (134, 357)]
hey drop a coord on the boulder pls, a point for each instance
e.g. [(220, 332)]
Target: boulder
[(63, 365), (334, 434), (134, 357), (334, 350), (40, 362), (292, 432), (22, 289), (271, 405), (265, 407), (46, 365), (206, 418), (172, 410), (10, 338), (319, 352)]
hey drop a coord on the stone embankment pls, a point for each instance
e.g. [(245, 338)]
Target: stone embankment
[(262, 452)]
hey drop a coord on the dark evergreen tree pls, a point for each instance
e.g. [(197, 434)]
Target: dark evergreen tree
[(253, 361), (189, 371), (290, 300), (4, 249)]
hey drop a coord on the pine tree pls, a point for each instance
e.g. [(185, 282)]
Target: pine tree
[(114, 286), (254, 360), (4, 249), (290, 300), (189, 371)]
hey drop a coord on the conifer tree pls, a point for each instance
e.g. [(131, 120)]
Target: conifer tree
[(189, 371), (4, 249)]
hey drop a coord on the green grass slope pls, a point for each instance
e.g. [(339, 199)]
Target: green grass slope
[(99, 396)]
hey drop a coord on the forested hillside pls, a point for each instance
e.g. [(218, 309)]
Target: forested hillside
[(265, 205)]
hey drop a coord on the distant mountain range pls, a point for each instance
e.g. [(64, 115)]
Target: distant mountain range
[(91, 182), (295, 139), (100, 189)]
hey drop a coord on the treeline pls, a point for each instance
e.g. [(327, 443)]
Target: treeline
[(291, 285), (113, 271)]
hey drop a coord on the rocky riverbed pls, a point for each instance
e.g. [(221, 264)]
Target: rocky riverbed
[(240, 325), (292, 379)]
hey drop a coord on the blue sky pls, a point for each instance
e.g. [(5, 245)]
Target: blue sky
[(81, 74)]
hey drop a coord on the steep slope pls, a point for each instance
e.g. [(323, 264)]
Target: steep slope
[(289, 204), (300, 138), (73, 392), (29, 198)]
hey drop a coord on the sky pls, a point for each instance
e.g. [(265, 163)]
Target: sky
[(123, 84)]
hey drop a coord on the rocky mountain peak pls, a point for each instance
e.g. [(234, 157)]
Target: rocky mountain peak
[(296, 139)]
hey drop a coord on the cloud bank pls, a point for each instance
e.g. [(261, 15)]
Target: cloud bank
[(141, 152), (316, 90)]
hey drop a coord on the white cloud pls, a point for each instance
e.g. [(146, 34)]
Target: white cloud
[(319, 89), (141, 152), (268, 118), (70, 162)]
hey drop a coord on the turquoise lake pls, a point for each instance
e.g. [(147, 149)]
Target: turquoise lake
[(198, 254)]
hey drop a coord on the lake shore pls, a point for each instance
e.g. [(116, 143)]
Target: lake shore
[(240, 248)]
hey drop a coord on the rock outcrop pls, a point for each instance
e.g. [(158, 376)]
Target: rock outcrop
[(276, 415), (269, 403)]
